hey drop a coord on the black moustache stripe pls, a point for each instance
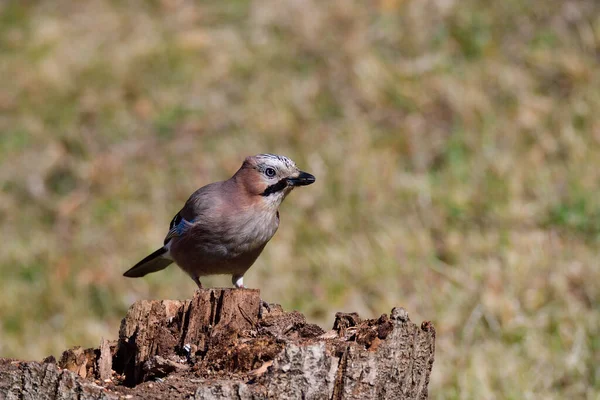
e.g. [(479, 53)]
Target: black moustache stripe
[(277, 187)]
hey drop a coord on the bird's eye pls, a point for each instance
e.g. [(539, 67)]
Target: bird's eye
[(270, 172)]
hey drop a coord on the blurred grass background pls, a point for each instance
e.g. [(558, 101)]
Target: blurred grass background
[(456, 147)]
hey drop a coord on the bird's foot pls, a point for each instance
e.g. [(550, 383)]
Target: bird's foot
[(238, 281), (265, 305)]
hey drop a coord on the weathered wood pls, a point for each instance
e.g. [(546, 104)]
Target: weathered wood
[(80, 361), (168, 328), (105, 360), (219, 346), (33, 381)]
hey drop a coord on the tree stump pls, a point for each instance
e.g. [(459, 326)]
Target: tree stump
[(222, 345)]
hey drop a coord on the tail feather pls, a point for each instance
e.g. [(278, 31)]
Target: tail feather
[(154, 262)]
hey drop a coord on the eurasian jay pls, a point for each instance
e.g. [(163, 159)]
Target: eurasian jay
[(224, 226)]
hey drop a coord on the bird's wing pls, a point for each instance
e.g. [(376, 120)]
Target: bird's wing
[(178, 227), (200, 207)]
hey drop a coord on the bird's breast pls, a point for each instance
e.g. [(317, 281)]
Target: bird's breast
[(224, 245), (226, 237), (255, 231)]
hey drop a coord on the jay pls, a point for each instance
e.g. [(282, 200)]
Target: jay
[(224, 226)]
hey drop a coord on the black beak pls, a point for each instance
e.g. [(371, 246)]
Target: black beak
[(302, 180)]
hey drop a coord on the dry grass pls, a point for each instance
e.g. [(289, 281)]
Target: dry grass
[(456, 146)]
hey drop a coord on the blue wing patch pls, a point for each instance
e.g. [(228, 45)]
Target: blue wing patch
[(178, 227)]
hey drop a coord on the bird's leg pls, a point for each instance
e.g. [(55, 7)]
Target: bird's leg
[(238, 281), (197, 280)]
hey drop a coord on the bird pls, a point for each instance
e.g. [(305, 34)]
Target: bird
[(224, 226)]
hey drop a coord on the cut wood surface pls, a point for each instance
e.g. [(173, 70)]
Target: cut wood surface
[(222, 345)]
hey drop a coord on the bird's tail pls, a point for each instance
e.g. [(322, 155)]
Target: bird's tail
[(154, 262)]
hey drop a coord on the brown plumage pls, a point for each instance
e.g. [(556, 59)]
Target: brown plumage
[(224, 226)]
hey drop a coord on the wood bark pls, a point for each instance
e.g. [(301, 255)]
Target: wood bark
[(221, 344)]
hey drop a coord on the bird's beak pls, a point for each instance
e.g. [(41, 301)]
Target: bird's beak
[(303, 179)]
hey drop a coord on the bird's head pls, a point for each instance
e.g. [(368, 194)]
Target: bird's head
[(272, 177)]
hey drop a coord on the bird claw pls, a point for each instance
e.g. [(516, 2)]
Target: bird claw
[(263, 304)]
